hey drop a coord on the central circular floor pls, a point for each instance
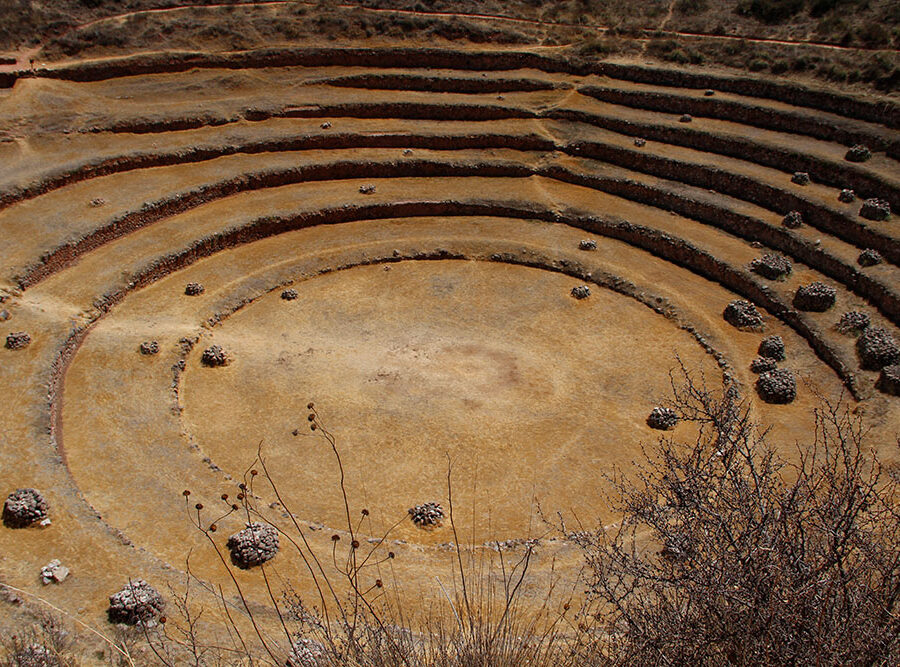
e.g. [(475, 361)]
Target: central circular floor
[(492, 368)]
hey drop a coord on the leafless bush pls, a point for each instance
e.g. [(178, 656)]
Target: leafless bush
[(729, 554)]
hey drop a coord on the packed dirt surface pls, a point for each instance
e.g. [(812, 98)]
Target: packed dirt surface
[(399, 245)]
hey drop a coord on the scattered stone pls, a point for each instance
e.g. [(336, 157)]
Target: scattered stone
[(847, 196), (777, 386), (816, 297), (254, 545), (149, 347), (367, 189), (639, 142), (709, 92), (407, 151), (800, 178), (289, 294), (306, 653), (33, 655), (772, 347), (685, 118), (137, 603), (877, 349), (194, 289), (889, 380), (54, 572), (792, 220), (662, 419), (587, 244), (326, 125), (97, 202), (875, 209), (858, 153), (853, 322), (743, 315), (429, 515), (17, 340), (214, 356), (869, 257), (771, 266), (4, 315), (763, 365), (581, 292), (24, 507)]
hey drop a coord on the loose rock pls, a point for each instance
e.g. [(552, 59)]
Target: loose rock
[(889, 380), (792, 220), (778, 386), (326, 125), (816, 297), (254, 545), (194, 289), (367, 189), (875, 209), (214, 356), (709, 92), (587, 244), (847, 196), (772, 347), (800, 178), (858, 153), (289, 294), (149, 347), (763, 365), (428, 515), (743, 315), (869, 257), (662, 419), (54, 572), (771, 266), (853, 322), (137, 602), (685, 118), (581, 292), (17, 340), (640, 143), (97, 202), (877, 349), (24, 507)]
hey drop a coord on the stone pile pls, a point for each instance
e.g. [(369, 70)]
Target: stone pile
[(254, 545), (24, 507), (777, 386), (792, 220), (771, 266), (877, 349), (743, 315), (428, 515), (772, 347), (875, 209), (137, 603), (149, 347), (581, 292), (662, 419), (853, 322), (847, 196), (869, 257), (858, 153), (800, 178), (214, 356), (889, 380), (17, 340), (194, 289), (815, 298)]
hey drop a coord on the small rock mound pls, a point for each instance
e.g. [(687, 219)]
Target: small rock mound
[(254, 545), (800, 178), (367, 189), (771, 266), (587, 244), (792, 220), (17, 340), (763, 365), (289, 294), (24, 507), (149, 347), (877, 349), (306, 653), (853, 322), (858, 153), (581, 292), (428, 515), (640, 143), (214, 356), (778, 386), (847, 196), (869, 257), (662, 419), (709, 92), (875, 209), (137, 602), (743, 315), (326, 125), (54, 572), (194, 289), (889, 380), (815, 298), (772, 347), (33, 655), (685, 118)]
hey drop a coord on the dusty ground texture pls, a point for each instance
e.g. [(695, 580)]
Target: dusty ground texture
[(430, 321)]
